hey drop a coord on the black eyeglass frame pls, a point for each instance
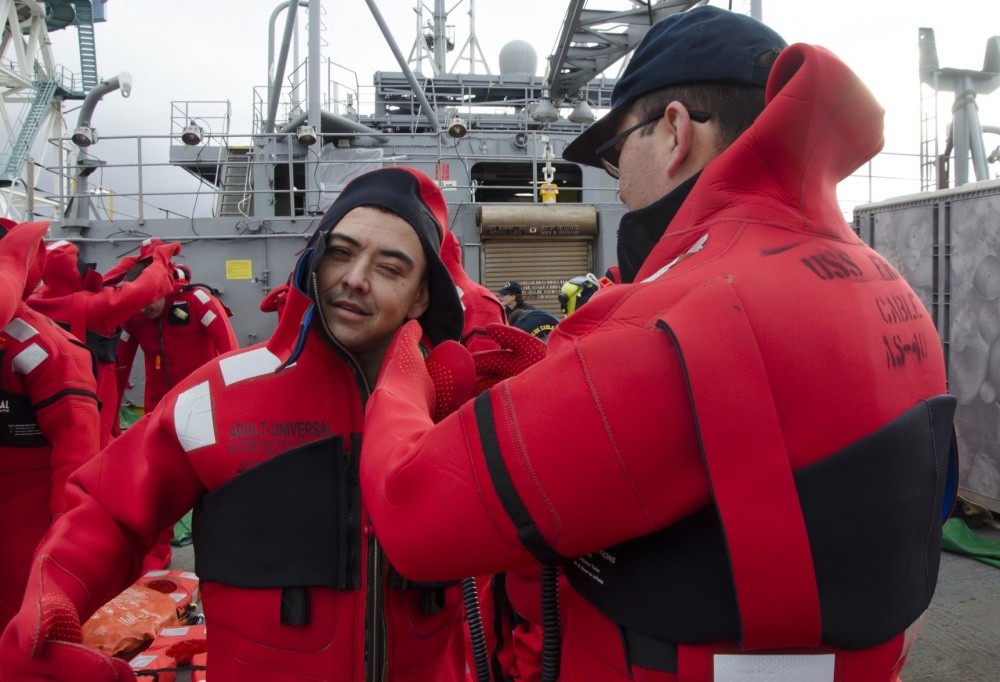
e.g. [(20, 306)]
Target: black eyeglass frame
[(608, 153)]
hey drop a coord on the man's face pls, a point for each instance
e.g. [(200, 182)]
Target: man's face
[(153, 310), (509, 301), (641, 165), (371, 280)]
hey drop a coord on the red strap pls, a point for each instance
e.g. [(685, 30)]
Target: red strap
[(748, 469)]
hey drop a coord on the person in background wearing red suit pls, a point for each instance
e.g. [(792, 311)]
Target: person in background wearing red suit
[(48, 411), (93, 309), (739, 455), (274, 301), (264, 442), (177, 334), (480, 307)]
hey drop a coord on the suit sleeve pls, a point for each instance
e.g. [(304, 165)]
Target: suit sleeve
[(214, 317), (112, 306), (63, 392), (119, 502), (585, 449)]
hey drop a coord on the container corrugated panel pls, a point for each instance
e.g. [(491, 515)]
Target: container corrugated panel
[(947, 246)]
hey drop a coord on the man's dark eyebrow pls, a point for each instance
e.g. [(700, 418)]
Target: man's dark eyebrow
[(392, 253)]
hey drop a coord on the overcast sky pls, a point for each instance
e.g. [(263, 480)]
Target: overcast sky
[(217, 49)]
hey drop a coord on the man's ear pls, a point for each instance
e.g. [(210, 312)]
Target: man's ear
[(679, 125), (421, 302)]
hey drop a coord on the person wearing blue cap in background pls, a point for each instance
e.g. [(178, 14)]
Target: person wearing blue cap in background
[(738, 461), (512, 298)]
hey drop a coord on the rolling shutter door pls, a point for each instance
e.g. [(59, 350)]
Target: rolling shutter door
[(541, 266)]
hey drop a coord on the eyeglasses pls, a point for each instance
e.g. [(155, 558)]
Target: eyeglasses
[(609, 152)]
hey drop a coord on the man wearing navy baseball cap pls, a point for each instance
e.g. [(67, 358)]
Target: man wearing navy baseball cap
[(754, 468)]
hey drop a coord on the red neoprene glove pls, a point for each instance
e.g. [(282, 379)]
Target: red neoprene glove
[(440, 383), (165, 252), (42, 642), (518, 351)]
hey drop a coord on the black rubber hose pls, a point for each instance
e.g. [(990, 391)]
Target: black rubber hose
[(478, 638), (551, 644)]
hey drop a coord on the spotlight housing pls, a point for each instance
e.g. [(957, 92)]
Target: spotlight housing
[(192, 134), (84, 136), (306, 135), (457, 128)]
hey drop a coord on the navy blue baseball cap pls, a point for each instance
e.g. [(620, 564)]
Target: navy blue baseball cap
[(703, 45)]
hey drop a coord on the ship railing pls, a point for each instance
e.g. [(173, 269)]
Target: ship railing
[(213, 117), (133, 178), (340, 94)]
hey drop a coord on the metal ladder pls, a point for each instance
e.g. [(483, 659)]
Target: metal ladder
[(27, 130), (88, 51), (236, 183)]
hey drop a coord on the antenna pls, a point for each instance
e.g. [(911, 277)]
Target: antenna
[(420, 50), (472, 44)]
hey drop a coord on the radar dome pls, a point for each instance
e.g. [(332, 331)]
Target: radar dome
[(518, 58)]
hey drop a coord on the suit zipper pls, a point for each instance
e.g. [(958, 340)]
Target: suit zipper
[(376, 664)]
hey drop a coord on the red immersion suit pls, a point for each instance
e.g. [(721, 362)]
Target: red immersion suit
[(48, 413), (264, 443), (192, 329), (739, 459), (74, 296)]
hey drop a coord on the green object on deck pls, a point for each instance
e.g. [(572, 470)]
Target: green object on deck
[(182, 531), (960, 539), (128, 415)]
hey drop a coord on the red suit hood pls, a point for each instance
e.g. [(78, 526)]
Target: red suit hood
[(415, 198), (62, 275), (819, 125), (22, 259)]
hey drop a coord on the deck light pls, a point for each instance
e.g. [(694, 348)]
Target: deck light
[(192, 134), (306, 135)]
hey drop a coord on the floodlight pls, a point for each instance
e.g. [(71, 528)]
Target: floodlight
[(192, 134), (545, 112), (582, 113), (84, 136), (457, 128), (306, 135)]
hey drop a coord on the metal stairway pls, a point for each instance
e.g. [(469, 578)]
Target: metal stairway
[(593, 38), (27, 130), (235, 199), (88, 51)]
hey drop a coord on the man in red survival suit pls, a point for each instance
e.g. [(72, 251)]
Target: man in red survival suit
[(265, 442), (74, 294), (177, 333), (738, 455), (48, 411)]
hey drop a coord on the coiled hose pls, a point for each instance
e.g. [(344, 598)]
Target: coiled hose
[(550, 623), (470, 598)]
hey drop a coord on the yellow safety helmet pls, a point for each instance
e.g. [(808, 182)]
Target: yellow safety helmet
[(577, 291)]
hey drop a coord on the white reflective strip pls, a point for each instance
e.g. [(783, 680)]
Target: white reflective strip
[(248, 365), (461, 295), (55, 245), (140, 662), (19, 329), (147, 242), (774, 668), (202, 296), (28, 359), (125, 335), (208, 318), (695, 248), (175, 632), (193, 418)]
